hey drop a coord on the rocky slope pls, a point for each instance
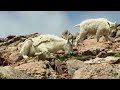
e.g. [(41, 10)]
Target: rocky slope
[(92, 60)]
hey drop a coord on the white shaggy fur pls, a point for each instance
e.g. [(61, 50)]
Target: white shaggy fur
[(46, 44), (99, 27), (45, 38)]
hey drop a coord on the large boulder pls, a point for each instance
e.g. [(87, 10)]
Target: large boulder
[(93, 45), (40, 70), (73, 65), (15, 56), (98, 71), (8, 72), (108, 59), (92, 51)]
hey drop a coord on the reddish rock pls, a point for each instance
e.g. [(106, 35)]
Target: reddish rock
[(73, 65), (37, 69), (97, 71), (15, 56), (60, 67)]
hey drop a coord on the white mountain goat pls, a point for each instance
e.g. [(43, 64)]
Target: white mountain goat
[(99, 27), (46, 44)]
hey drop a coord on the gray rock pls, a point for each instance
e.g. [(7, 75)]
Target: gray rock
[(108, 59), (39, 70), (8, 72), (92, 51), (98, 71), (73, 65)]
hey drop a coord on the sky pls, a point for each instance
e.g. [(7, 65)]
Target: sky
[(48, 22)]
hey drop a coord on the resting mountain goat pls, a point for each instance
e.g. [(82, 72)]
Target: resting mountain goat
[(99, 27), (46, 44)]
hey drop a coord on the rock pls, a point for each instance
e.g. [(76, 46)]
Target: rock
[(40, 70), (102, 54), (1, 61), (15, 56), (60, 67), (92, 51), (118, 49), (73, 65), (108, 59), (2, 40), (5, 58), (32, 35), (64, 76), (53, 75), (113, 53), (11, 49), (10, 41), (0, 58), (110, 51), (11, 36), (8, 72), (111, 60), (93, 45), (96, 60), (103, 77), (85, 57), (117, 39), (116, 46), (97, 71)]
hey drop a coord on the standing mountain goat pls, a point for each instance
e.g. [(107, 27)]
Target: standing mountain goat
[(99, 27), (46, 44)]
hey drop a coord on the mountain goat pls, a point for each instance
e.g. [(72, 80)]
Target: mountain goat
[(99, 27), (46, 44)]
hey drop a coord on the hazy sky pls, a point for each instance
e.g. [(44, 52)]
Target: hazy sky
[(48, 22)]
